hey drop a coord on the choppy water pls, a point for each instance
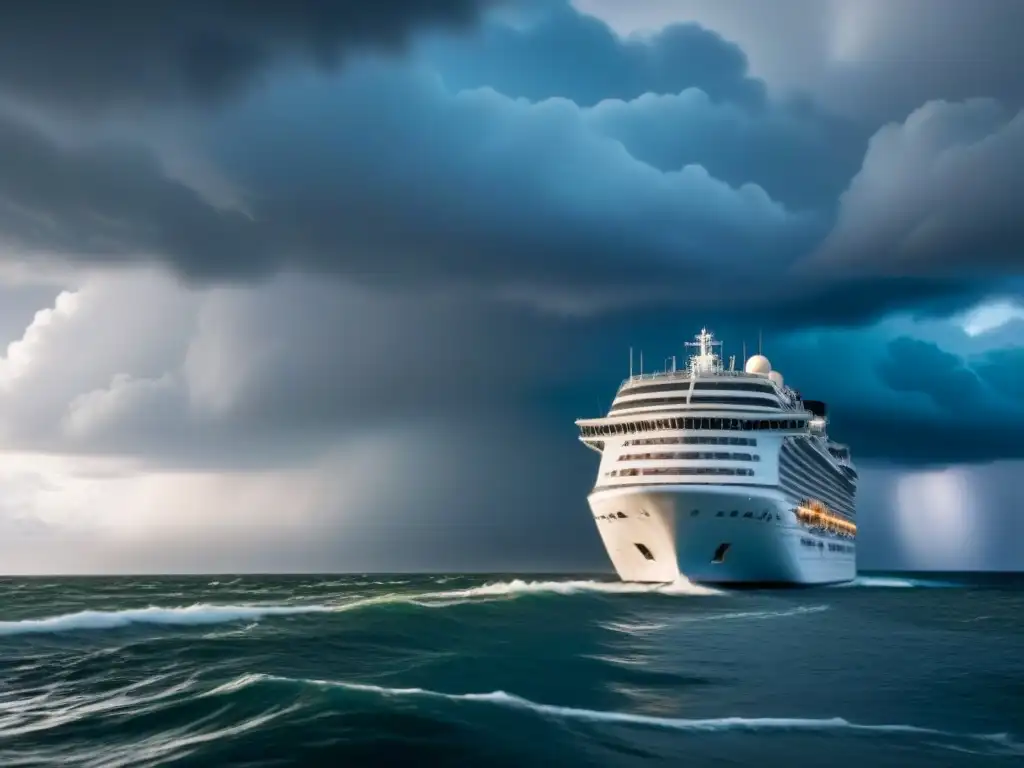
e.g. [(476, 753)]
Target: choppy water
[(496, 671)]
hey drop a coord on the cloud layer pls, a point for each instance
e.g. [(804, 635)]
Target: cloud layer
[(118, 54), (297, 264)]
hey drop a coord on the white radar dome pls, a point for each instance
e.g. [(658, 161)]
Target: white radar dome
[(758, 364), (776, 377)]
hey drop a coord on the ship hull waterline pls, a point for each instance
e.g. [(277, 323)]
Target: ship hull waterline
[(731, 535)]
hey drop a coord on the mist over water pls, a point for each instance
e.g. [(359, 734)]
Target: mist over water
[(471, 670)]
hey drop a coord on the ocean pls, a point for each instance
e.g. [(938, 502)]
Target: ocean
[(370, 670)]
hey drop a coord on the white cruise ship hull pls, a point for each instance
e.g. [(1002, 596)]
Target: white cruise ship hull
[(716, 534)]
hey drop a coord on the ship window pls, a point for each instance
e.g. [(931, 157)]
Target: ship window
[(694, 512), (740, 386), (720, 514), (748, 514), (734, 513), (763, 402), (621, 515), (644, 551)]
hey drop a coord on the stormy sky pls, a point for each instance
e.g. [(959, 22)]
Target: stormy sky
[(322, 286)]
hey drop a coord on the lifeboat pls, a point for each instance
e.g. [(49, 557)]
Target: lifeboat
[(816, 515)]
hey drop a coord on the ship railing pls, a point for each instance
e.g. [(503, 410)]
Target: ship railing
[(683, 374)]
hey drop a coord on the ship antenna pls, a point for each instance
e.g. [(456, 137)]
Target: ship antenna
[(630, 362), (641, 362), (759, 341), (744, 352)]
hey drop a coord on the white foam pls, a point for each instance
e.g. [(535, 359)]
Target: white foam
[(680, 587), (631, 628), (509, 700), (209, 613), (891, 582), (191, 615), (798, 611)]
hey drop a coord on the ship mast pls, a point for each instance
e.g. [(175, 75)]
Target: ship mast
[(706, 360)]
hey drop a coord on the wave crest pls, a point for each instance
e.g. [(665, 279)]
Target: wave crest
[(892, 582), (512, 701), (191, 615), (211, 613)]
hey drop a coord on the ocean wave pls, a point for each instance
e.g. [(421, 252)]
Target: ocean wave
[(212, 613), (631, 628), (681, 587), (717, 724), (643, 628), (798, 611), (198, 614), (892, 582), (622, 661)]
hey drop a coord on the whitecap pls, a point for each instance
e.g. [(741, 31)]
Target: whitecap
[(892, 582), (211, 613)]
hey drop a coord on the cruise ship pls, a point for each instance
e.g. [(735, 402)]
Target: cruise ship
[(722, 476)]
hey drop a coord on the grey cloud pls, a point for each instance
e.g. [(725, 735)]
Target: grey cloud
[(799, 155), (558, 52), (269, 375), (873, 60), (936, 194), (476, 189), (275, 374), (912, 365), (118, 53), (392, 179), (908, 402)]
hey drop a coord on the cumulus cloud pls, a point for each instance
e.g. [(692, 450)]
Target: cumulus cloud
[(872, 60), (477, 189), (800, 157), (394, 178), (135, 364), (555, 51), (936, 194)]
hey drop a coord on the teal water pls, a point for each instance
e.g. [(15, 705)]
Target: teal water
[(503, 671)]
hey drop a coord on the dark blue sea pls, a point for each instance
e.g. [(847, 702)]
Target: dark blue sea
[(498, 670)]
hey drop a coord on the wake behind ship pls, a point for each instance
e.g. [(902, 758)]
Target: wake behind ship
[(722, 476)]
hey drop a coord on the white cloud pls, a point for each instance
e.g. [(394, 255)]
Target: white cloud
[(292, 425)]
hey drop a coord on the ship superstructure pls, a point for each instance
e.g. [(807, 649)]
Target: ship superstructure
[(723, 476)]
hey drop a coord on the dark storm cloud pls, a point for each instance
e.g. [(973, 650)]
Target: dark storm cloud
[(799, 155), (561, 52), (114, 53), (874, 60), (475, 188), (908, 402), (912, 365), (386, 175), (938, 193)]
